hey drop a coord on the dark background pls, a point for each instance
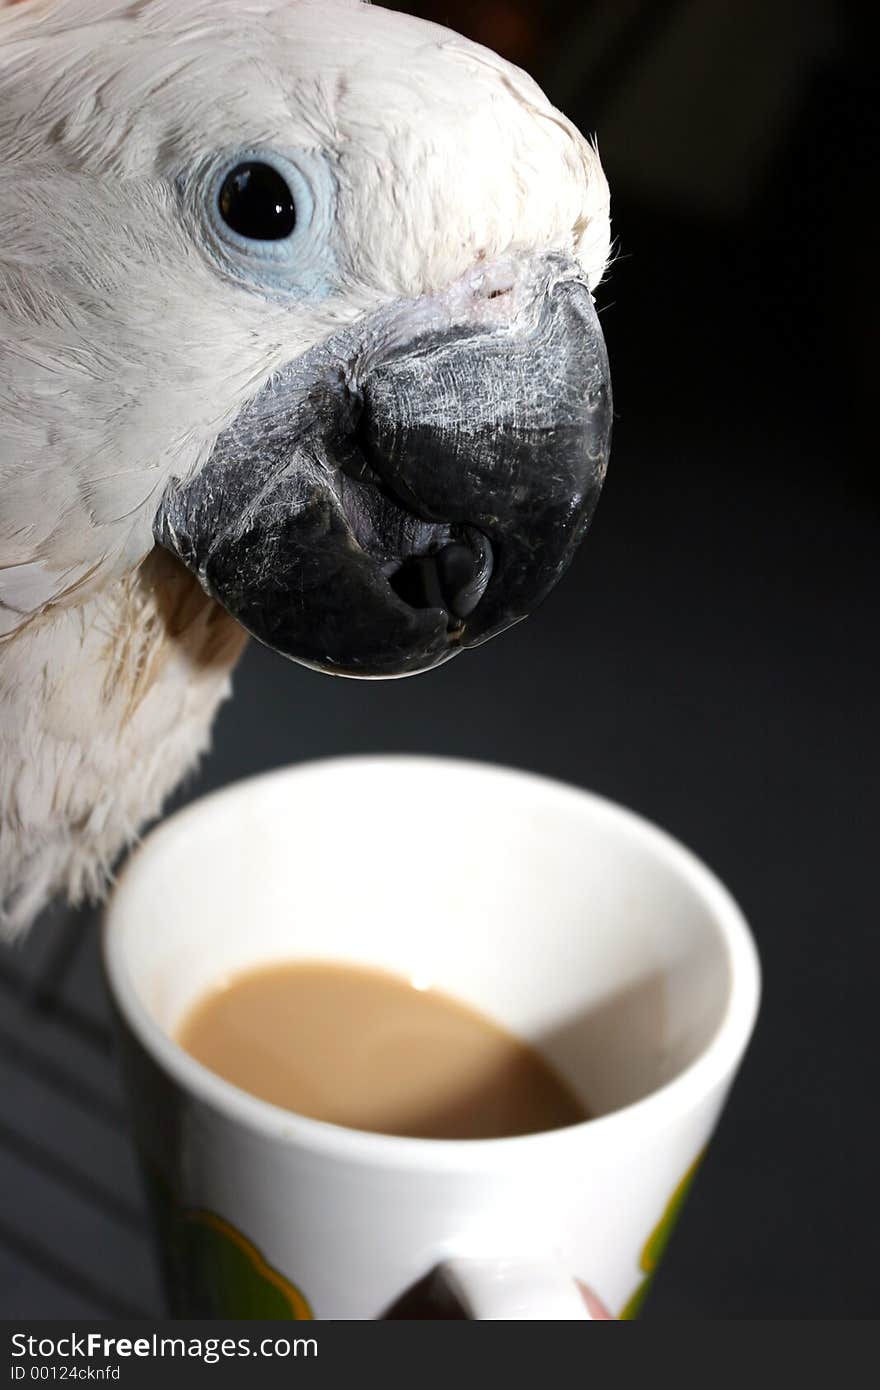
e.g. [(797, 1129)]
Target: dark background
[(711, 658)]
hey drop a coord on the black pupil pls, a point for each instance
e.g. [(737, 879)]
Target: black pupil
[(256, 202)]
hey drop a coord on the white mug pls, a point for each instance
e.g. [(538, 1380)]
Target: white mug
[(573, 922)]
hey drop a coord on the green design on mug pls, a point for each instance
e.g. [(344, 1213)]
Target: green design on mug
[(233, 1273), (214, 1271), (657, 1241)]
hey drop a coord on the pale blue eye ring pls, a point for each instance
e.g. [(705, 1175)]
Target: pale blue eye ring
[(298, 262)]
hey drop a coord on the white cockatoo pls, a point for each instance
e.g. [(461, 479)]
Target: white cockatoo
[(297, 339)]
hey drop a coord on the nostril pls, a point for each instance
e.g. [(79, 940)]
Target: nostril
[(454, 578)]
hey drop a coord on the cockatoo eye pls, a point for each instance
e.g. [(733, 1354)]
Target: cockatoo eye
[(270, 217), (255, 202)]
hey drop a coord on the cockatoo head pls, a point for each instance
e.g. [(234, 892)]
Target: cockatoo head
[(301, 291)]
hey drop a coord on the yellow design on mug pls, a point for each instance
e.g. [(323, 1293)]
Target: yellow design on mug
[(656, 1243)]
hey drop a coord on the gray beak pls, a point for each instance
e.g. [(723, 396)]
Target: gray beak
[(414, 485)]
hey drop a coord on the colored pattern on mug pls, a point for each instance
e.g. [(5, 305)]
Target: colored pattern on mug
[(657, 1241), (214, 1271), (242, 1280)]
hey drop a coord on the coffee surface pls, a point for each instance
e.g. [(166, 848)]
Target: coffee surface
[(366, 1049)]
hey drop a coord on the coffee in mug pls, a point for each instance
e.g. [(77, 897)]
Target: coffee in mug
[(372, 1050)]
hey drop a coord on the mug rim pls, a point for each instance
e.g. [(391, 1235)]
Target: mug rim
[(717, 1060)]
